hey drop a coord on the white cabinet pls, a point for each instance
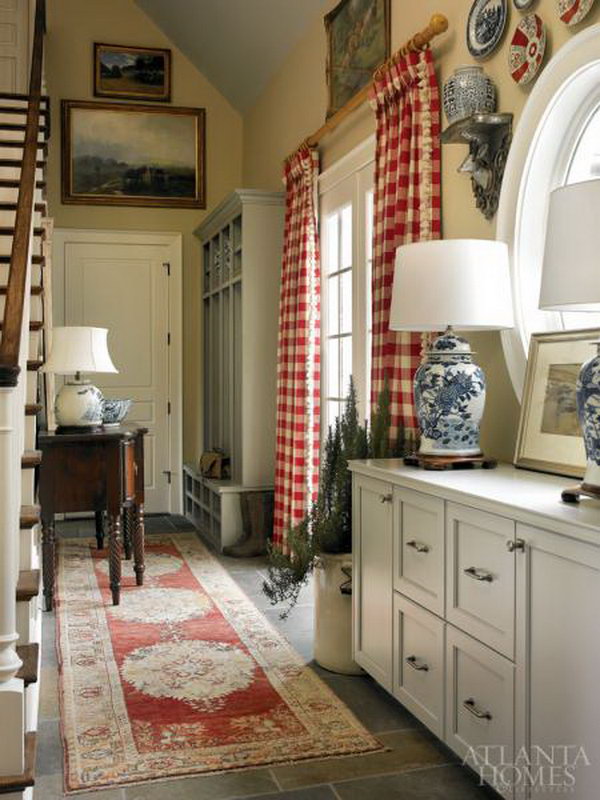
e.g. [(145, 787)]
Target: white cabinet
[(558, 702), (477, 604), (480, 596), (419, 548), (372, 578), (242, 242), (419, 662)]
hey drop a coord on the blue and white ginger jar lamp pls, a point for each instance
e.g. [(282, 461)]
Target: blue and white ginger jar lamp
[(571, 282), (462, 283)]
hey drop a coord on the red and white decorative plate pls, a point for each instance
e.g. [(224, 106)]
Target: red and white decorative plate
[(573, 11), (527, 49)]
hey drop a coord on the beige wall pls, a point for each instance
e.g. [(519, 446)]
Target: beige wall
[(73, 25), (294, 104)]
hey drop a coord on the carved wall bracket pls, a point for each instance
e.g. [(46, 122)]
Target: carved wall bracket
[(489, 137)]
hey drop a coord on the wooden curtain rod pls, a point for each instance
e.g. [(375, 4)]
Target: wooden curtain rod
[(438, 24)]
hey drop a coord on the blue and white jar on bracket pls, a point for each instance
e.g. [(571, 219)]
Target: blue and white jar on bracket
[(588, 409), (449, 398)]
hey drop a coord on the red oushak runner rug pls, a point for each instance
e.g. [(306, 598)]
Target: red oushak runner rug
[(184, 677)]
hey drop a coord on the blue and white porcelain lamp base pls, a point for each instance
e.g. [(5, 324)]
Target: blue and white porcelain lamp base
[(588, 409), (449, 399), (78, 405)]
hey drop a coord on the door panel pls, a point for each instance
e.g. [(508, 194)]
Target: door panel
[(126, 289)]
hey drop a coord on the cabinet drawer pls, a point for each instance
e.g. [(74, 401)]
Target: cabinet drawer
[(419, 662), (479, 704), (129, 469), (419, 548), (480, 596)]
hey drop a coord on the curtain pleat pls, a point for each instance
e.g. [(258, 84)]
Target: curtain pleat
[(298, 354), (406, 99)]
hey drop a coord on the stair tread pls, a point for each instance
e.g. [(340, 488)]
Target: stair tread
[(16, 783), (31, 459), (29, 516), (8, 230), (28, 585), (5, 259), (10, 183), (16, 162), (18, 109), (20, 96), (34, 364), (31, 409), (41, 207), (36, 325), (35, 290), (29, 655)]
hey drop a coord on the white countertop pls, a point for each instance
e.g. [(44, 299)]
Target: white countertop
[(529, 497)]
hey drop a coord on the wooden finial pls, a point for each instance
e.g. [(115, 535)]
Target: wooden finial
[(438, 24)]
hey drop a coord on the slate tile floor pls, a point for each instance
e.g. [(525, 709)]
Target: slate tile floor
[(414, 767)]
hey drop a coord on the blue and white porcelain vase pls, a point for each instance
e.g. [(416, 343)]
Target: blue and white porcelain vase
[(588, 409), (449, 398), (468, 91)]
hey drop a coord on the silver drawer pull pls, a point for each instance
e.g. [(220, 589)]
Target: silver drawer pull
[(420, 547), (479, 574), (385, 498), (414, 662), (472, 709)]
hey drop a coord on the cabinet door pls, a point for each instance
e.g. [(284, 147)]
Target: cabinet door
[(372, 577), (558, 656), (480, 708), (419, 662), (419, 548), (481, 576)]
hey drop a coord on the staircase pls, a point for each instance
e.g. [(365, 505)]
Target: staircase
[(24, 253)]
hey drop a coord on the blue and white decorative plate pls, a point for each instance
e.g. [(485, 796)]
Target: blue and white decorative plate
[(485, 26), (522, 5)]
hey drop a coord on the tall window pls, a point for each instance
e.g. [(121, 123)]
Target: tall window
[(346, 212)]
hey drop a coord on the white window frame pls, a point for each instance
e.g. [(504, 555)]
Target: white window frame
[(349, 180), (557, 111)]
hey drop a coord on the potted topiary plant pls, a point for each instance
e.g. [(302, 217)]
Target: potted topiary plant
[(322, 542)]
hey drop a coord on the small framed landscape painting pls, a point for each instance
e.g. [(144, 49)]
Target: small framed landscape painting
[(133, 155), (358, 40), (550, 438), (132, 73)]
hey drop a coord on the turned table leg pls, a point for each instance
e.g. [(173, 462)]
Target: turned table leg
[(138, 545), (128, 524), (48, 560), (114, 556), (100, 529)]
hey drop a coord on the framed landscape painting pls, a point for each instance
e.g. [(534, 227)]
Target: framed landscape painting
[(134, 73), (358, 40), (133, 155), (550, 438)]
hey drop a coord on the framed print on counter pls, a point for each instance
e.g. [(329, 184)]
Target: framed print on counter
[(550, 438)]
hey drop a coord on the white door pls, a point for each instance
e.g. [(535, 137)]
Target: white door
[(123, 283)]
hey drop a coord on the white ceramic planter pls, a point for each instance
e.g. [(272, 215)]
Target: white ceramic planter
[(333, 616)]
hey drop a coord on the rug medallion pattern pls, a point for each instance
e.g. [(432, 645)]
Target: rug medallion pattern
[(185, 676)]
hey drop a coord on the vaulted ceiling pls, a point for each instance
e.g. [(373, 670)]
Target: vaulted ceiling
[(237, 44)]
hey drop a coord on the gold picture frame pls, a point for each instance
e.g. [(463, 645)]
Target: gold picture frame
[(126, 154), (132, 73), (358, 41), (549, 437)]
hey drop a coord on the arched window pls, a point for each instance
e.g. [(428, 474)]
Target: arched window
[(557, 142)]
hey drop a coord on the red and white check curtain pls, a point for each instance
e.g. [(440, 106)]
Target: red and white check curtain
[(405, 96), (298, 354)]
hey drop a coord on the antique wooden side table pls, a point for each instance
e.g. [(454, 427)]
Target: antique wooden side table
[(100, 471)]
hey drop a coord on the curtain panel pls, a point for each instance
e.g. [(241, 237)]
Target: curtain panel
[(298, 353), (406, 99)]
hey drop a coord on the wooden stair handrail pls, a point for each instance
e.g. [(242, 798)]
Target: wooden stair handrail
[(19, 258)]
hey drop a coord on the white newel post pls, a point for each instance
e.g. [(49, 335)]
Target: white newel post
[(11, 689)]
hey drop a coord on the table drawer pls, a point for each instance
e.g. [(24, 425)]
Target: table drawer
[(418, 682), (419, 548), (480, 595), (129, 470), (479, 705)]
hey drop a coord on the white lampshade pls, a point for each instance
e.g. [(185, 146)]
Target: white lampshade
[(78, 349), (571, 270), (460, 282)]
